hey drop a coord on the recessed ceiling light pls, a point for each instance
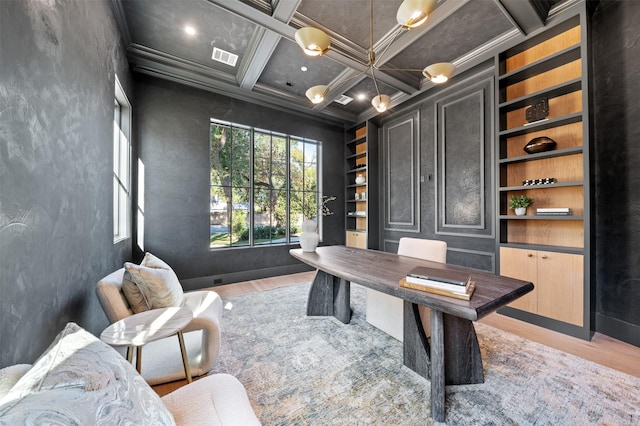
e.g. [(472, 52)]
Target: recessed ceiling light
[(361, 96), (303, 69), (190, 30)]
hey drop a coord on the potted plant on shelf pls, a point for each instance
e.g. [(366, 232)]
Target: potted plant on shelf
[(519, 204)]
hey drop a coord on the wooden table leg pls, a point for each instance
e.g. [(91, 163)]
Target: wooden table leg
[(437, 366), (185, 358), (130, 354), (329, 296)]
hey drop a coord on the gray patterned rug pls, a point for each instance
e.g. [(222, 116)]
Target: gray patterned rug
[(317, 371)]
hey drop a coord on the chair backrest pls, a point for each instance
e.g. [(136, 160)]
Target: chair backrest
[(111, 297), (433, 250)]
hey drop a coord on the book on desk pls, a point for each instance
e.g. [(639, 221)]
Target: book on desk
[(445, 283)]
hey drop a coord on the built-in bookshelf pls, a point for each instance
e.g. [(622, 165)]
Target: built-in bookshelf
[(549, 70), (361, 192)]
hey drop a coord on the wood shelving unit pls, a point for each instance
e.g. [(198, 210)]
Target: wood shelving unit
[(361, 160), (551, 251)]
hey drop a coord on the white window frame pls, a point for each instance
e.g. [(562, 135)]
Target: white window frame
[(121, 165)]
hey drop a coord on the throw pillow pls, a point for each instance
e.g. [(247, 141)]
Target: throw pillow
[(153, 288), (81, 380)]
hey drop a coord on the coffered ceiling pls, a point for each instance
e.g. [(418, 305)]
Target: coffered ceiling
[(269, 66)]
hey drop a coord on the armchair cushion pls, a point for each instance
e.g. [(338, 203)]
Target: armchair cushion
[(151, 285)]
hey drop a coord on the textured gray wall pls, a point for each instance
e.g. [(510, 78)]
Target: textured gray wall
[(616, 107), (57, 63), (173, 136), (468, 246)]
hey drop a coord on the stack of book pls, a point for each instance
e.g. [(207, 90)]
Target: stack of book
[(554, 211), (446, 283)]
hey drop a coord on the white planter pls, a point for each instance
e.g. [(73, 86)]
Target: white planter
[(360, 179), (309, 237), (520, 211)]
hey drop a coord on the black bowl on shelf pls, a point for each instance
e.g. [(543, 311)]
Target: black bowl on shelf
[(540, 144)]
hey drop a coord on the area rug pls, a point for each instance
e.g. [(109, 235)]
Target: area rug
[(301, 370)]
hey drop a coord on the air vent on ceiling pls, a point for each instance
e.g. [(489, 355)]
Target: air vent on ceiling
[(343, 100), (225, 57)]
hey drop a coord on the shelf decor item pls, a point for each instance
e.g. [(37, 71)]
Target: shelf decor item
[(360, 179), (540, 144), (519, 204), (538, 110)]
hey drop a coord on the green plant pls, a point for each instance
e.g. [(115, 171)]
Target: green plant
[(518, 201)]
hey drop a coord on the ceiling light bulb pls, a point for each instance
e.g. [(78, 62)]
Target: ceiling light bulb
[(413, 13), (316, 94), (381, 102), (303, 69), (314, 42), (439, 72), (190, 30)]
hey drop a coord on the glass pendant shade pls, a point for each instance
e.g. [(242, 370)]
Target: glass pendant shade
[(413, 13), (313, 41), (316, 94), (381, 102), (440, 72)]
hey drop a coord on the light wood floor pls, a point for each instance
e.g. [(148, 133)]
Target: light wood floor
[(602, 349)]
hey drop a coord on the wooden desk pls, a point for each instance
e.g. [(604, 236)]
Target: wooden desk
[(452, 356)]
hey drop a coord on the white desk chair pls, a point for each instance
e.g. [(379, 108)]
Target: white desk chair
[(386, 312)]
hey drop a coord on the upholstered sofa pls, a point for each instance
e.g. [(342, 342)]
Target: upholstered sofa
[(79, 380)]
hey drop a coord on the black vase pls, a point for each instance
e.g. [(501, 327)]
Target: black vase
[(540, 144)]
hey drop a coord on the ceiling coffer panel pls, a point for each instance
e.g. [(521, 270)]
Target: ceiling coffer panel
[(159, 25)]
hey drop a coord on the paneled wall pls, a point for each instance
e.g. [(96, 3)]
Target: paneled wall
[(616, 106), (173, 136), (439, 153), (57, 66)]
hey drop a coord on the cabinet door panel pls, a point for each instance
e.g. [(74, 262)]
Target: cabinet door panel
[(356, 239), (561, 290), (521, 264)]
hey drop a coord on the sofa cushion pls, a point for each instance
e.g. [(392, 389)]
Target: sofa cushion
[(151, 285), (81, 380)]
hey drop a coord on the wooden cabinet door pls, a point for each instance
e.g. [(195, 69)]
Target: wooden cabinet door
[(356, 239), (521, 264), (561, 288)]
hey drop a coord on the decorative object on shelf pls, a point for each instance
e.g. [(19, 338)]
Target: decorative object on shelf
[(309, 237), (541, 181), (538, 110), (357, 195), (554, 211), (360, 179), (411, 13), (519, 204), (540, 144)]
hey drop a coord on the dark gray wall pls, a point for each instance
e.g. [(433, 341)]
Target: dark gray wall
[(616, 107), (173, 136), (467, 227), (57, 64)]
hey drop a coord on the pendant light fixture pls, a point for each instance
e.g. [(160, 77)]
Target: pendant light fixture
[(411, 13)]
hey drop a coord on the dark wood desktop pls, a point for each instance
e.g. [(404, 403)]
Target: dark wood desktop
[(452, 355)]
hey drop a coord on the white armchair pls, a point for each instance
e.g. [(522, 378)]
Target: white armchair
[(162, 361)]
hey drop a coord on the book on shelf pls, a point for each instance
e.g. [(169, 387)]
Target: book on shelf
[(465, 295), (554, 211)]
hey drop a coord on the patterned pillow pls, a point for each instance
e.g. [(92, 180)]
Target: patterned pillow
[(151, 285), (81, 380)]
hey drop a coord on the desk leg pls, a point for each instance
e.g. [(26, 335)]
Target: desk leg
[(415, 344), (130, 354), (185, 358), (329, 296), (437, 366)]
